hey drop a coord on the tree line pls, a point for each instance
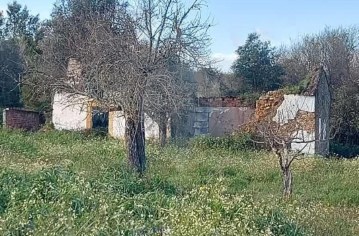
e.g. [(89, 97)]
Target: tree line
[(260, 68)]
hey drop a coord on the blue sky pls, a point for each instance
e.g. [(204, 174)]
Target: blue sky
[(280, 21)]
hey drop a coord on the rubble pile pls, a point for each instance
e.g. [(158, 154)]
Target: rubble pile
[(267, 105)]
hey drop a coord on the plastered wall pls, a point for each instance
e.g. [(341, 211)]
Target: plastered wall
[(70, 112), (117, 125), (299, 107), (220, 121)]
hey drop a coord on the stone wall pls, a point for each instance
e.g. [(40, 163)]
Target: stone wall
[(291, 116), (267, 105), (17, 118), (222, 102)]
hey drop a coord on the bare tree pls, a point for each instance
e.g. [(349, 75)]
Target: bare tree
[(124, 51), (171, 99), (282, 135), (288, 126)]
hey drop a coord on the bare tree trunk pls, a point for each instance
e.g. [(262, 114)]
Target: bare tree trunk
[(287, 182), (163, 135), (135, 141), (163, 130)]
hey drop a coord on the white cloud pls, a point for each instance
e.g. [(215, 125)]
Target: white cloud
[(3, 9), (224, 61)]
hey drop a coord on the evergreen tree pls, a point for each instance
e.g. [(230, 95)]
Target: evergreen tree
[(19, 36), (257, 65)]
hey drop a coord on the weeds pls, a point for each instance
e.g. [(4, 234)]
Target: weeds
[(63, 183)]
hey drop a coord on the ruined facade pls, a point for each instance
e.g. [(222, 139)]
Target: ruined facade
[(220, 116), (303, 117), (70, 112), (75, 112)]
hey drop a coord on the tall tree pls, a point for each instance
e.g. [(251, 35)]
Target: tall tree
[(11, 68), (1, 24), (19, 22), (124, 50), (208, 82), (257, 65), (18, 38)]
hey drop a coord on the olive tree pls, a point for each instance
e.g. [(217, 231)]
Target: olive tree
[(124, 49)]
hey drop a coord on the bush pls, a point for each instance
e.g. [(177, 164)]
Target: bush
[(343, 150), (297, 88), (276, 223), (250, 98), (235, 142)]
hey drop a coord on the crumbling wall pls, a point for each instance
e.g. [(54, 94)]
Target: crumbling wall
[(223, 102), (151, 128), (17, 118), (267, 105), (292, 115), (116, 124)]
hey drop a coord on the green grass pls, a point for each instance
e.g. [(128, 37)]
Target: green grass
[(63, 183)]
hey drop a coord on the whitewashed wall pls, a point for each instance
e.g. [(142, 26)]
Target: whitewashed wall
[(69, 112), (288, 110), (307, 148), (117, 124), (117, 128), (151, 128), (291, 105)]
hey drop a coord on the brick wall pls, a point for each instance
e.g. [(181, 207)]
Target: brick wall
[(16, 118), (222, 102)]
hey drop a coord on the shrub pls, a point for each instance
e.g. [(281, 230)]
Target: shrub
[(275, 223), (297, 88), (250, 98), (343, 150), (235, 142)]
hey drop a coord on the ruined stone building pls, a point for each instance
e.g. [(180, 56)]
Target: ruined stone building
[(304, 115), (77, 112)]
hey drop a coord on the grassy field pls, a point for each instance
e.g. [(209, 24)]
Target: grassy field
[(59, 183)]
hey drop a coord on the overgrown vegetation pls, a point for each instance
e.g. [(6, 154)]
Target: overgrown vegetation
[(236, 142), (62, 183)]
